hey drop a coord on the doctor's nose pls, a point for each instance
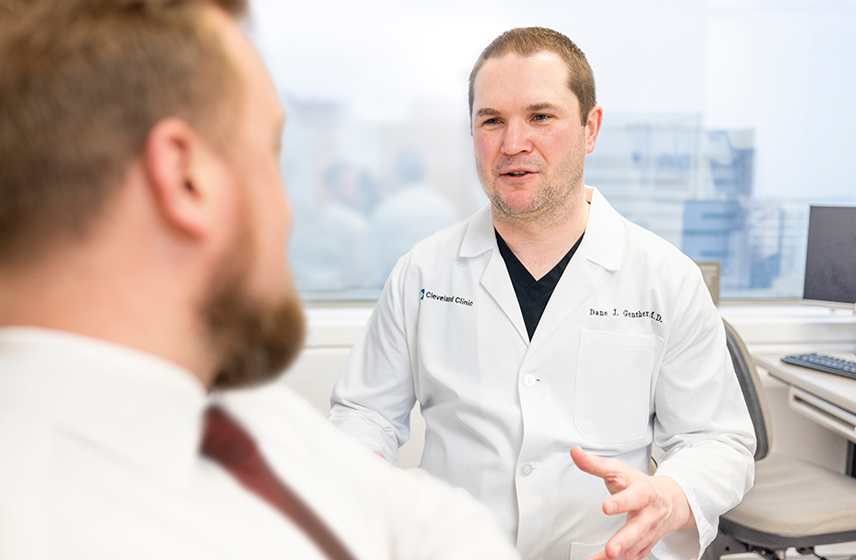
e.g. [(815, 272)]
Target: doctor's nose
[(515, 139)]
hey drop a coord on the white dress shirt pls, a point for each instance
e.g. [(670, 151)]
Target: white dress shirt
[(99, 459), (630, 351)]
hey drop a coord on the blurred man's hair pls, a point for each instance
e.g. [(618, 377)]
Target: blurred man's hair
[(82, 83), (527, 41)]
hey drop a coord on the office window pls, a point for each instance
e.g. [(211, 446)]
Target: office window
[(723, 121)]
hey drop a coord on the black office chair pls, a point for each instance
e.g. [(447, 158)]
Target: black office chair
[(793, 503)]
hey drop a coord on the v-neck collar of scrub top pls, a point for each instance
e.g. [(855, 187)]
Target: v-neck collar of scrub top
[(602, 250)]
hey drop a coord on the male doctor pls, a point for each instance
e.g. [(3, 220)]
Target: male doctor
[(550, 342)]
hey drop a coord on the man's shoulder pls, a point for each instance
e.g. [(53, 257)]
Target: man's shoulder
[(28, 448), (449, 238), (640, 251), (289, 428), (272, 412), (342, 481), (641, 241), (639, 238), (665, 261), (24, 442), (444, 246)]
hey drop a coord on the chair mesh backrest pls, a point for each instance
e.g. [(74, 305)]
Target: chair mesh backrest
[(753, 391)]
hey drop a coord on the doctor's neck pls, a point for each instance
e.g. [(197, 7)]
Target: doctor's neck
[(540, 241)]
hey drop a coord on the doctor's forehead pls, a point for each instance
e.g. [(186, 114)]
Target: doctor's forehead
[(533, 82)]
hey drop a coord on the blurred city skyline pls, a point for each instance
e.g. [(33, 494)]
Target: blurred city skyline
[(723, 122)]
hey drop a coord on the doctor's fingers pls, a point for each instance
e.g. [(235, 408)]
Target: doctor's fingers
[(634, 553), (640, 533), (615, 474), (638, 493), (643, 547), (599, 556), (638, 556)]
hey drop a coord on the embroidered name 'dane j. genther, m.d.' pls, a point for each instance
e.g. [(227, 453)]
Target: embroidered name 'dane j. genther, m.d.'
[(447, 299), (653, 315)]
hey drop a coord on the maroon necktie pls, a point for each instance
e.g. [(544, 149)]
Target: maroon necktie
[(227, 443)]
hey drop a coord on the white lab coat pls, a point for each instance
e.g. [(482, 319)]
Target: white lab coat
[(630, 351)]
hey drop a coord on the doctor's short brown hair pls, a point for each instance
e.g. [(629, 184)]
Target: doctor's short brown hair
[(527, 41), (82, 84)]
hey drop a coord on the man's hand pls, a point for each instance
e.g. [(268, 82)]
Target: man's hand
[(655, 506)]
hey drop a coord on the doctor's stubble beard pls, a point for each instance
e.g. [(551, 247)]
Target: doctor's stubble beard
[(254, 339), (550, 202)]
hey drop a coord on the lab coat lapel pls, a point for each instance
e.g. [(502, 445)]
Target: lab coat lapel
[(479, 239), (498, 284), (575, 285), (600, 252)]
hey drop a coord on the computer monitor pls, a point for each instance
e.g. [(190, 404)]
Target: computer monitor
[(830, 264)]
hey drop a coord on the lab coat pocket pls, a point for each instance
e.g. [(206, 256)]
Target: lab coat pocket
[(613, 385), (581, 551)]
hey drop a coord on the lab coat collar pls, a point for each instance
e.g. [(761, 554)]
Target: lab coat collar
[(137, 406), (603, 243), (599, 253), (602, 246), (480, 236), (478, 240)]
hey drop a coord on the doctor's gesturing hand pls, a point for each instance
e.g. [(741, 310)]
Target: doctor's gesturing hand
[(655, 506)]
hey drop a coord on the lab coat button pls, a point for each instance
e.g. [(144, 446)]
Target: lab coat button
[(526, 469), (529, 380)]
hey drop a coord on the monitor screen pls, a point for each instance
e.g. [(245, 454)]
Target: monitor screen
[(830, 264)]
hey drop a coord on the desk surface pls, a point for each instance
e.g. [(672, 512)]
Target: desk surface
[(834, 389)]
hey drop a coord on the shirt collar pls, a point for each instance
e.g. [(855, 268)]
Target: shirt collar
[(603, 243), (132, 404)]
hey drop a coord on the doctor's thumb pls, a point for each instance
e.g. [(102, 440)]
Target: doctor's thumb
[(584, 461)]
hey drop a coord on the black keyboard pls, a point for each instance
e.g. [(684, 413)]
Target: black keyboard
[(836, 366)]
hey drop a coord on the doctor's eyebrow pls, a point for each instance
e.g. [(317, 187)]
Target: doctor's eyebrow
[(487, 112), (535, 107)]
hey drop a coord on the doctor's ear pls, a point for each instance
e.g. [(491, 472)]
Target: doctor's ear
[(595, 119), (176, 160)]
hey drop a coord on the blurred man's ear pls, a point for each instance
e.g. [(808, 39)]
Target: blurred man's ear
[(177, 162)]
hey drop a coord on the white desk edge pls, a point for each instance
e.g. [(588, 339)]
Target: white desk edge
[(827, 399)]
